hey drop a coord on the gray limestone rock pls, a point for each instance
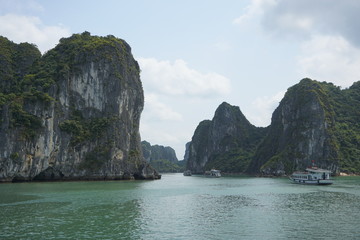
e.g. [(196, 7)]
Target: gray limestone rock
[(89, 129)]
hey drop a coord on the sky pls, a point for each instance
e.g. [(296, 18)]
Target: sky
[(194, 55)]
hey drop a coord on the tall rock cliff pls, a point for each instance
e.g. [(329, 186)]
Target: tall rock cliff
[(301, 132), (316, 123), (74, 114), (226, 142)]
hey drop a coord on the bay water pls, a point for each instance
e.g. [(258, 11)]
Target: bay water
[(178, 207)]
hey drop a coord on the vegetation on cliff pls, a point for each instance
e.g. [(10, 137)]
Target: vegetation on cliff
[(72, 113), (316, 121), (346, 105), (82, 129), (16, 61), (166, 166), (26, 76)]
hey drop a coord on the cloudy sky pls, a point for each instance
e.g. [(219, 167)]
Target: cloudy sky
[(196, 54)]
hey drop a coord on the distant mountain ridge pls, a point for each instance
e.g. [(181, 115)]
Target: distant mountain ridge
[(156, 152), (162, 158), (315, 121)]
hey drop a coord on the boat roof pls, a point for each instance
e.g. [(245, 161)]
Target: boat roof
[(317, 170)]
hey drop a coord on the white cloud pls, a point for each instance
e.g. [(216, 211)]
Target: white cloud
[(20, 28), (158, 135), (178, 79), (330, 58), (222, 46), (326, 31), (156, 110), (262, 109), (306, 18), (176, 97), (254, 9), (292, 22)]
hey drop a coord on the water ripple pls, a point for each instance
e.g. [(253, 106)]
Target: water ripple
[(181, 208)]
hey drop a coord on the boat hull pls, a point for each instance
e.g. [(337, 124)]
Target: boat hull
[(211, 176), (312, 182)]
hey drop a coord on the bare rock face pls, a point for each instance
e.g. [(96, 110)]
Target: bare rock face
[(76, 115)]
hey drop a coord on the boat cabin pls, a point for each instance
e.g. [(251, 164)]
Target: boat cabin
[(312, 175), (213, 173)]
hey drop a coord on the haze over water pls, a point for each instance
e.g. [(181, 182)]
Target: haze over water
[(179, 207)]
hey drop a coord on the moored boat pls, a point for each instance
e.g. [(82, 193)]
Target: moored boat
[(213, 173), (187, 173), (312, 176)]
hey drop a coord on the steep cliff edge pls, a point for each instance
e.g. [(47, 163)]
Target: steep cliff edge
[(227, 142), (75, 115)]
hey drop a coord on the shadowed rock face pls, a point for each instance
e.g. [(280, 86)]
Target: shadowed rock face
[(82, 119), (227, 137)]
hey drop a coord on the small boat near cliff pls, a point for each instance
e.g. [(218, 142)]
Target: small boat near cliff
[(213, 173), (187, 173), (312, 176)]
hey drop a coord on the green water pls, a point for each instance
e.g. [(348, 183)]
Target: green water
[(178, 207)]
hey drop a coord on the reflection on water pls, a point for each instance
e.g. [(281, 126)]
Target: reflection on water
[(84, 210), (178, 207)]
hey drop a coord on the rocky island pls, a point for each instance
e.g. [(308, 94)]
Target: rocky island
[(72, 113), (226, 142), (315, 121)]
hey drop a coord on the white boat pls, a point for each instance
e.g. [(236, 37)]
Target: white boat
[(312, 175), (213, 173), (187, 173)]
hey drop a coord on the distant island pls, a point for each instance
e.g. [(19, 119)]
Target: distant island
[(314, 122), (163, 159)]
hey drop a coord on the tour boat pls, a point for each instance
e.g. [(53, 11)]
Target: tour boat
[(312, 175), (187, 173), (213, 173)]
